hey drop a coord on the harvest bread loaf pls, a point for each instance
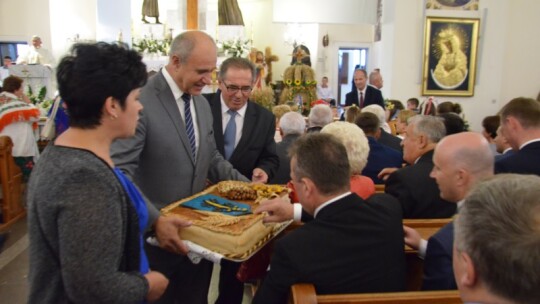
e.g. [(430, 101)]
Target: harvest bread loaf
[(225, 226)]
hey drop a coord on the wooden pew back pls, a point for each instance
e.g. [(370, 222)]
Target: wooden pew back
[(306, 294), (11, 183)]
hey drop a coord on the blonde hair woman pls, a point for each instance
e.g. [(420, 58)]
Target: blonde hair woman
[(356, 143)]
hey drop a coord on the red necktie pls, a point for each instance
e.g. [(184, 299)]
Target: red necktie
[(361, 99)]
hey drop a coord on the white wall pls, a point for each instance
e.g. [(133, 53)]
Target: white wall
[(69, 19), (23, 18), (508, 59)]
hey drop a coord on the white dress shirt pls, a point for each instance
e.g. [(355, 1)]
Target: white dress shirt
[(239, 119), (177, 93)]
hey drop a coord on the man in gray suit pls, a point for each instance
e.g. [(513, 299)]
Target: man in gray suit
[(173, 152)]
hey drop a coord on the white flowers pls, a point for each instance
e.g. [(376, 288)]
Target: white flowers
[(235, 47)]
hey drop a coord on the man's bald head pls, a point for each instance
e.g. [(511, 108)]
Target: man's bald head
[(467, 149), (460, 160)]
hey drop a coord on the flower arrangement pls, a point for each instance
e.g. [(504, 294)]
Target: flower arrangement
[(235, 47), (388, 104), (152, 46), (36, 99), (40, 99)]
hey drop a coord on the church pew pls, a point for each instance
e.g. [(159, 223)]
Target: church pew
[(426, 227), (306, 294), (11, 183)]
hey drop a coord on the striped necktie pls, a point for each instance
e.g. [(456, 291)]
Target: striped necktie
[(189, 122), (229, 136)]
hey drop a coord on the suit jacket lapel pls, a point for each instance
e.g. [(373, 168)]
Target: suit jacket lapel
[(215, 106), (247, 130), (165, 96)]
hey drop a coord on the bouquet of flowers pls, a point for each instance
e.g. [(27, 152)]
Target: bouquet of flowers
[(235, 47), (152, 46)]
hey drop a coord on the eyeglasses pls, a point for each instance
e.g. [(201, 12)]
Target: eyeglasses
[(234, 89)]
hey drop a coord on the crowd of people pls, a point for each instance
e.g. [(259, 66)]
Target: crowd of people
[(135, 144)]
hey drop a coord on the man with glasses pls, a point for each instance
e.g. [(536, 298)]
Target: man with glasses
[(244, 135)]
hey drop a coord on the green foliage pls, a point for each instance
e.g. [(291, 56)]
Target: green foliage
[(40, 97)]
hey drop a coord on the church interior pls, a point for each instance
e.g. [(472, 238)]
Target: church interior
[(400, 39)]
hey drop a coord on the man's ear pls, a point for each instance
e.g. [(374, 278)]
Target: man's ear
[(468, 275), (378, 133), (111, 107), (462, 177), (422, 141), (309, 186), (513, 123)]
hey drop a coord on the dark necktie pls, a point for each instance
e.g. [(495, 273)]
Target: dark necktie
[(229, 136), (189, 123), (361, 99)]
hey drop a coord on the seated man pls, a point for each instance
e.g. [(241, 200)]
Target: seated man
[(350, 246), (386, 138), (416, 191), (497, 236), (502, 146), (319, 116), (380, 156), (292, 126), (325, 93), (520, 124), (460, 162)]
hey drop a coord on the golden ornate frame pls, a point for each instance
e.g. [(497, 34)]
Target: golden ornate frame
[(450, 53)]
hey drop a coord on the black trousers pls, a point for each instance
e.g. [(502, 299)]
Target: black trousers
[(231, 291), (188, 282)]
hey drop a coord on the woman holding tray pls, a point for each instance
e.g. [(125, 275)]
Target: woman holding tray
[(85, 218)]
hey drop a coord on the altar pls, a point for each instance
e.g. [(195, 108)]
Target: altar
[(36, 76)]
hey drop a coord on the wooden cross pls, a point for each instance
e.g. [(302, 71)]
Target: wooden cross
[(192, 14)]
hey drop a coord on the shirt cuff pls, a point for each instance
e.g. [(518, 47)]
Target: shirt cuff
[(297, 212), (422, 248)]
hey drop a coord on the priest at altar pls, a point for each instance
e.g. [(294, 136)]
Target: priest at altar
[(36, 54)]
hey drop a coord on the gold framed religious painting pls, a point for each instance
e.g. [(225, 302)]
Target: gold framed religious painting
[(450, 53)]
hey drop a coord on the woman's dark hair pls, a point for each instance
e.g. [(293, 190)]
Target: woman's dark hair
[(453, 123), (91, 73), (449, 107), (491, 124), (12, 84)]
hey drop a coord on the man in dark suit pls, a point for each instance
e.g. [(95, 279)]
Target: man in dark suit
[(461, 161), (497, 235), (174, 152), (380, 156), (411, 185), (385, 137), (292, 126), (251, 149), (363, 95), (349, 246), (520, 124), (502, 146)]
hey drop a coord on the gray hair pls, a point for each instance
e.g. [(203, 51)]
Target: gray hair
[(183, 44), (377, 110), (292, 123), (430, 126), (498, 227), (354, 140), (320, 116), (238, 63)]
